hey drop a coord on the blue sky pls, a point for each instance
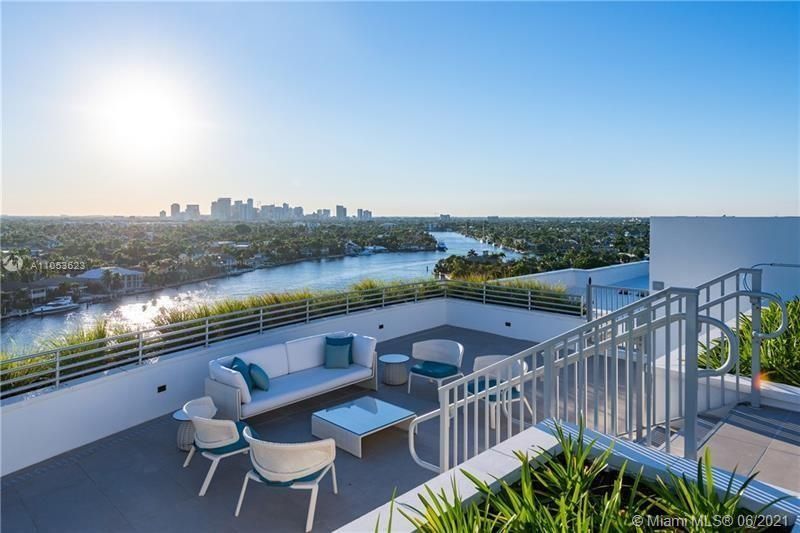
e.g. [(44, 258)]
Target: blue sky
[(542, 109)]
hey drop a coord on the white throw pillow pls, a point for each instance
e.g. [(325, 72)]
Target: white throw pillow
[(363, 348), (231, 377)]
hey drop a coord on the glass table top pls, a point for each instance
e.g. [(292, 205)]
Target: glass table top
[(364, 415)]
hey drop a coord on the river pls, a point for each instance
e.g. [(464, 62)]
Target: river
[(23, 334)]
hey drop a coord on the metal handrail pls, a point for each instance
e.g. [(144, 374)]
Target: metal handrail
[(27, 372), (622, 337)]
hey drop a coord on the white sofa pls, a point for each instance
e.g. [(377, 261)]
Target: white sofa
[(296, 372)]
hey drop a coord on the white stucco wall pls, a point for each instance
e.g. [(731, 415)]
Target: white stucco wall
[(686, 251), (575, 279)]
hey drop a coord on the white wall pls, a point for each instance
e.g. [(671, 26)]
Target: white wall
[(527, 325), (38, 427), (686, 251), (575, 279)]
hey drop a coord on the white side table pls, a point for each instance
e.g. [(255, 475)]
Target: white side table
[(394, 368), (185, 430)]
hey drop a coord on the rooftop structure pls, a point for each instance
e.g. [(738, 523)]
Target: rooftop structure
[(623, 367)]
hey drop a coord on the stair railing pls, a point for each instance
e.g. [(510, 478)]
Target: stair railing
[(629, 373)]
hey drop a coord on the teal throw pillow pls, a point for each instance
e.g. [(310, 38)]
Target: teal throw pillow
[(259, 376), (244, 369), (338, 352)]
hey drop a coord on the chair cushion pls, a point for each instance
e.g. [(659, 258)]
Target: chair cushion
[(259, 377), (238, 445), (433, 369), (244, 369), (230, 377), (301, 385), (309, 477), (492, 382), (338, 352)]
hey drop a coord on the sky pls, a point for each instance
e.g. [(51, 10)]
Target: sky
[(518, 109)]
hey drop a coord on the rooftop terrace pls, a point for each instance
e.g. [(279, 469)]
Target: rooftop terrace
[(626, 373), (133, 480)]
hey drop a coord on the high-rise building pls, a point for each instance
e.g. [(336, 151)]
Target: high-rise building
[(192, 212), (341, 211), (367, 214), (326, 213), (221, 209), (360, 214), (162, 214), (298, 212), (175, 210)]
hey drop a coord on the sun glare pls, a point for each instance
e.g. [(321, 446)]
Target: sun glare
[(143, 116)]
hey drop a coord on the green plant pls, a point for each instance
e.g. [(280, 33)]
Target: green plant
[(780, 357), (577, 490)]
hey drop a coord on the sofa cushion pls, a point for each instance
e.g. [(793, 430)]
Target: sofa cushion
[(363, 349), (229, 376), (271, 358), (308, 352), (301, 385)]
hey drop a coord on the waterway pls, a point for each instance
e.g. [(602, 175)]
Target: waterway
[(136, 311)]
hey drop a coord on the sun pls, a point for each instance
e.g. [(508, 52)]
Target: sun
[(142, 115)]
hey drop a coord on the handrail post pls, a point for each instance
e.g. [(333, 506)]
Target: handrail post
[(690, 386), (383, 297), (549, 379), (416, 294), (58, 368), (484, 293), (588, 302), (141, 346), (206, 332), (444, 429), (308, 310), (347, 303), (530, 297), (755, 361), (261, 320)]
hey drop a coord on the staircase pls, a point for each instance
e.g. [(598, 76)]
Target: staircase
[(631, 373)]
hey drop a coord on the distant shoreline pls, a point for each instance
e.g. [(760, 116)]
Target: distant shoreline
[(151, 290)]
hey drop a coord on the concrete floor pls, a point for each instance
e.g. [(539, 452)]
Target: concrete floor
[(133, 480), (764, 441)]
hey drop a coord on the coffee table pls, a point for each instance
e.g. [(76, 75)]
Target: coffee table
[(350, 422)]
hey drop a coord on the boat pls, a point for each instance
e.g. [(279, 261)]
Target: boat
[(441, 246), (59, 305)]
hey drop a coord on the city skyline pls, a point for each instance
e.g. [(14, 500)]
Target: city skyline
[(519, 109), (225, 208)]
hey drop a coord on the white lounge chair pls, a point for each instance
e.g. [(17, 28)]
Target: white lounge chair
[(440, 360), (298, 466), (215, 439), (509, 394)]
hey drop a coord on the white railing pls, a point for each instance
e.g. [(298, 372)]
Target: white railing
[(52, 368), (603, 299), (616, 373)]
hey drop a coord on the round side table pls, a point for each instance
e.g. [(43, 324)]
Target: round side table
[(185, 430), (394, 368)]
